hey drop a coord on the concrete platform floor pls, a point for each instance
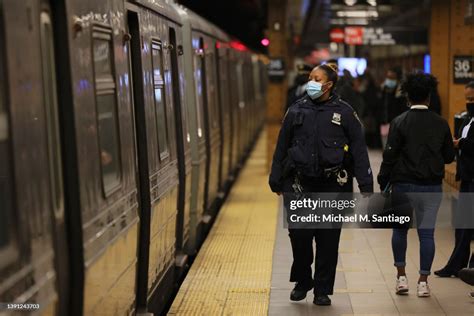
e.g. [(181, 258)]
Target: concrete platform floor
[(365, 278), (234, 273)]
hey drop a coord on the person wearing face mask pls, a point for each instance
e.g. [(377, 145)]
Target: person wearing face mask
[(465, 173), (319, 132), (393, 102), (370, 95), (299, 86)]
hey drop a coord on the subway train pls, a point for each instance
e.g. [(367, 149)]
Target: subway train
[(123, 124)]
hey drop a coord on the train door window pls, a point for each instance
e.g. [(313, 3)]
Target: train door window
[(198, 79), (158, 89), (106, 102), (240, 85), (178, 87), (223, 84), (212, 102), (51, 107)]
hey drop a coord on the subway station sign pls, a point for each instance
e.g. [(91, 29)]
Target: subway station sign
[(463, 69), (276, 69), (377, 36)]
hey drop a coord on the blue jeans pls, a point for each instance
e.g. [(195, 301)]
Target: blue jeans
[(426, 208)]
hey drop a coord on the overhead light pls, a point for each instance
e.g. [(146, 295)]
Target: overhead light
[(372, 2), (357, 14), (350, 2)]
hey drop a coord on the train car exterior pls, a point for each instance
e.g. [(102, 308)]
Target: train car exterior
[(31, 188), (122, 126), (104, 146)]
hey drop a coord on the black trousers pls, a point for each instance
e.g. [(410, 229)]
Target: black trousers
[(462, 246), (327, 248)]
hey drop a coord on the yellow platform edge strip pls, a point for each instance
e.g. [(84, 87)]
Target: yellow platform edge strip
[(232, 272)]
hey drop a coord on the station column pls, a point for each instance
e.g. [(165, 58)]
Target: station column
[(277, 89), (451, 40), (452, 51)]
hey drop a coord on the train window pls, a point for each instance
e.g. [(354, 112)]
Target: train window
[(106, 102), (224, 86), (199, 91), (212, 102), (158, 87)]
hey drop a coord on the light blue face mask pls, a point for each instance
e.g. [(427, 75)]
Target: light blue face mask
[(390, 83), (314, 89)]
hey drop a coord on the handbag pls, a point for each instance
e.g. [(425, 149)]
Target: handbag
[(389, 205)]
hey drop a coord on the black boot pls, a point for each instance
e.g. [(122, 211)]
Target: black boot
[(322, 300), (300, 290), (445, 273)]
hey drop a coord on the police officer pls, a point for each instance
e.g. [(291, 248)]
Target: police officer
[(319, 132)]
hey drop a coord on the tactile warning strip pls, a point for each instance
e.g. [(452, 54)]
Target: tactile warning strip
[(232, 272)]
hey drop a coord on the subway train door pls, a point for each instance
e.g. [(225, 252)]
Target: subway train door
[(51, 108), (144, 199), (183, 153)]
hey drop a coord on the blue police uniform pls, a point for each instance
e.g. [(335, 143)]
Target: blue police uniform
[(317, 141), (318, 136)]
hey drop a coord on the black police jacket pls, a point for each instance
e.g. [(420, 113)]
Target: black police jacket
[(313, 137), (419, 145), (465, 164)]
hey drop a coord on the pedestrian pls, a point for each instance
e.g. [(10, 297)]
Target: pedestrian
[(371, 97), (319, 131), (298, 88), (418, 147), (393, 102)]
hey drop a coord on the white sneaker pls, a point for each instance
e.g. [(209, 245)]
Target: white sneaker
[(402, 285), (423, 289)]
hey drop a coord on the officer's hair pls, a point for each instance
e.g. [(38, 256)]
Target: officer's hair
[(470, 85), (331, 72), (418, 86)]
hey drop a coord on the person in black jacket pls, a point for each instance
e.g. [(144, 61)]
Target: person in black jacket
[(393, 101), (419, 145), (297, 90), (319, 131), (465, 173)]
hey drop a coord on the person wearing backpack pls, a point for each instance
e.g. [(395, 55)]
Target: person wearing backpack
[(418, 147), (319, 132)]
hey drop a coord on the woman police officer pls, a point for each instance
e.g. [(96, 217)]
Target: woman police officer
[(319, 132)]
